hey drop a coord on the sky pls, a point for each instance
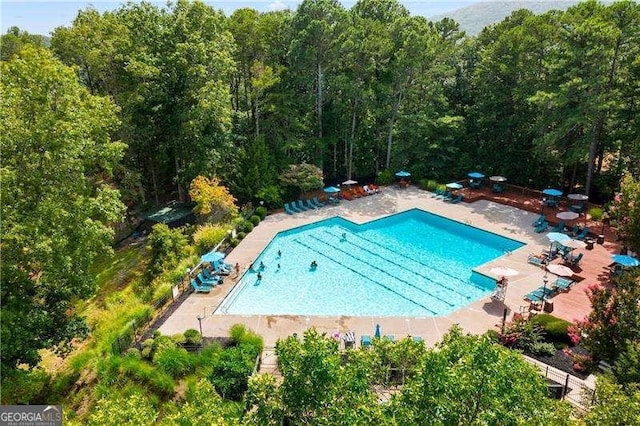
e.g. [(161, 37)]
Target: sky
[(42, 17)]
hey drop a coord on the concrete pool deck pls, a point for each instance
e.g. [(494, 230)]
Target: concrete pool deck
[(475, 318)]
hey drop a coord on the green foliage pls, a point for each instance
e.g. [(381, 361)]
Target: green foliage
[(305, 177), (385, 177), (231, 371), (193, 337), (240, 236), (213, 201), (234, 242), (240, 335), (255, 220), (208, 236), (245, 226), (133, 353), (271, 195), (555, 329), (428, 184), (57, 203), (14, 40), (117, 370), (625, 212), (525, 335), (261, 211), (596, 213), (176, 362), (627, 366), (613, 405), (263, 400), (134, 409), (166, 246), (202, 405), (24, 386)]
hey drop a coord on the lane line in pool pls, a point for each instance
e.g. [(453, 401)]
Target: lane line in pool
[(367, 278), (425, 266), (387, 273)]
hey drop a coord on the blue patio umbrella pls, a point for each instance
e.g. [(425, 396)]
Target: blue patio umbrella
[(552, 192), (625, 260), (403, 174), (377, 333), (212, 256), (476, 175), (331, 190)]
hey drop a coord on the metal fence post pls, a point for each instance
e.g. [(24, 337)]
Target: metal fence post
[(566, 387)]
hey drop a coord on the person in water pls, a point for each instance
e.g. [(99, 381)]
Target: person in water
[(314, 264), (279, 253), (259, 276)]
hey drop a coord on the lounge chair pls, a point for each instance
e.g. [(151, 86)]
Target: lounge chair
[(438, 193), (563, 284), (447, 196), (294, 207), (390, 338), (417, 339), (457, 199), (536, 260), (583, 234), (218, 279), (204, 281), (616, 270), (317, 202), (542, 227), (559, 227), (349, 339), (539, 294), (574, 260), (365, 341), (288, 209), (301, 206), (310, 205), (575, 230), (368, 190), (539, 221), (199, 288)]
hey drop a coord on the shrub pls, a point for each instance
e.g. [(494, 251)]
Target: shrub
[(271, 196), (385, 177), (116, 368), (178, 339), (262, 212), (596, 213), (241, 235), (556, 329), (245, 226), (24, 386), (428, 184), (166, 246), (231, 372), (240, 335), (255, 220), (133, 353), (192, 337), (208, 236), (176, 362), (543, 348), (234, 242)]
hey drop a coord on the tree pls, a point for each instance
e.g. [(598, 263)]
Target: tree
[(202, 406), (13, 41), (471, 379), (213, 201), (134, 409), (613, 405), (625, 212), (167, 247), (614, 320), (304, 176), (57, 201)]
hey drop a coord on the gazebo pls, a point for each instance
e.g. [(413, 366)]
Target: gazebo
[(475, 179)]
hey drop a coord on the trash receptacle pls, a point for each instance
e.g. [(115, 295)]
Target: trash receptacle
[(600, 239), (548, 306), (589, 244)]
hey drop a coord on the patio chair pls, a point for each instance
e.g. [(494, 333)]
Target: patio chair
[(438, 193), (559, 227), (575, 230), (537, 260), (203, 281), (368, 190), (365, 341), (542, 227), (317, 202), (583, 234), (539, 221), (295, 208), (574, 260), (288, 209), (199, 288), (615, 270), (497, 188), (218, 279), (417, 339), (349, 339), (457, 199), (390, 337), (310, 205), (447, 196), (563, 284), (301, 206), (539, 294)]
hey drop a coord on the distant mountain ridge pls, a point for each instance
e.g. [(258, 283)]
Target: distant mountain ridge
[(474, 18)]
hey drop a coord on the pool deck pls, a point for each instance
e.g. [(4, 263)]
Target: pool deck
[(475, 318)]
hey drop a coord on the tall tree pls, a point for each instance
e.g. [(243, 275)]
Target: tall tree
[(56, 200)]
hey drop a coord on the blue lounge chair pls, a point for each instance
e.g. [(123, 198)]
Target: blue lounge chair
[(295, 207), (199, 288), (457, 199), (539, 221), (438, 193), (390, 338), (575, 230), (218, 279), (535, 260), (301, 206), (563, 284), (539, 294), (310, 205), (204, 281), (583, 234), (317, 202), (574, 260), (417, 339), (559, 227), (447, 196), (365, 341), (542, 227), (288, 209)]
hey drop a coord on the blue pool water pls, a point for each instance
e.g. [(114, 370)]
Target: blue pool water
[(409, 264)]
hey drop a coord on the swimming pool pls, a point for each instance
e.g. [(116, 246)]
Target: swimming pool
[(412, 263)]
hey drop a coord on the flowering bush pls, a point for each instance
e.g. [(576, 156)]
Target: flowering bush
[(625, 212)]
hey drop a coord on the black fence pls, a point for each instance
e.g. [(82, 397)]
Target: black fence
[(129, 335), (567, 387)]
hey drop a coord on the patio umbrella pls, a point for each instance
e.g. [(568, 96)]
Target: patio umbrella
[(578, 197), (504, 271), (625, 260), (350, 182), (498, 179), (212, 256), (476, 175), (560, 270), (377, 333), (567, 215), (552, 192), (557, 237), (574, 244), (331, 190), (454, 185), (403, 174)]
